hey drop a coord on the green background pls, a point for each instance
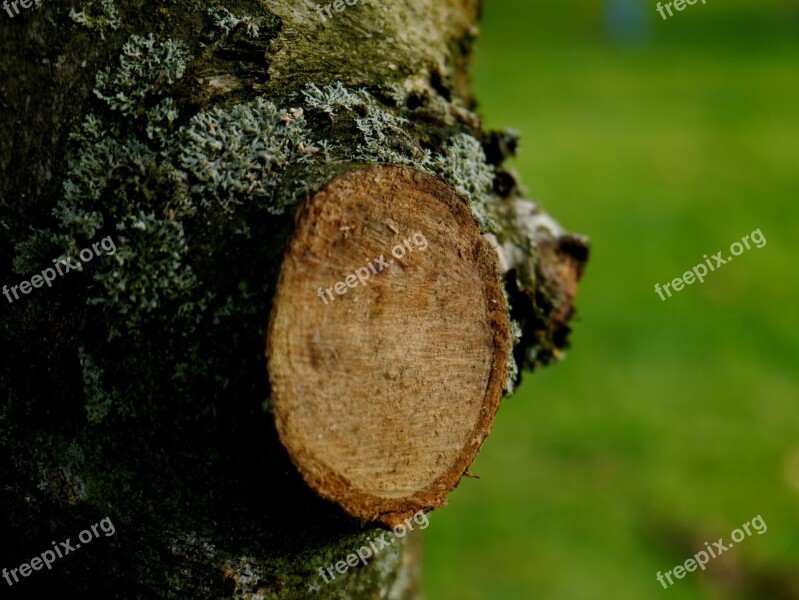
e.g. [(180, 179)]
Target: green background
[(670, 423)]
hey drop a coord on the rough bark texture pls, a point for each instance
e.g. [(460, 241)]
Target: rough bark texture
[(189, 134)]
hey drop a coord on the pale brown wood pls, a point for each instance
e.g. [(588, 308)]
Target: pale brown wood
[(384, 394)]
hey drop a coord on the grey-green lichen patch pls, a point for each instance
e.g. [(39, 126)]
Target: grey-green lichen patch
[(104, 165), (228, 22), (98, 402), (161, 121), (512, 377), (386, 135), (237, 155), (97, 15), (164, 192), (144, 66), (464, 166), (148, 269)]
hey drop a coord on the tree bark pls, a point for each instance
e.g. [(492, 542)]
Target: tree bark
[(197, 140)]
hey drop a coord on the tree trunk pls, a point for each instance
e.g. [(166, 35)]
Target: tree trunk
[(190, 180)]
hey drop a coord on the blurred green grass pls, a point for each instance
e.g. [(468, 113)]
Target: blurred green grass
[(669, 423)]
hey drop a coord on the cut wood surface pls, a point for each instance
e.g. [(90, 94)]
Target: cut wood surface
[(383, 394)]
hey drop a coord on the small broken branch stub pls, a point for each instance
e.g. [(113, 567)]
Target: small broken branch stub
[(388, 343)]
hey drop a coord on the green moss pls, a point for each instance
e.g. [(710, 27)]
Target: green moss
[(371, 42)]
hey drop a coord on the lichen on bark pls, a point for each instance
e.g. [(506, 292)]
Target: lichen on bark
[(189, 134)]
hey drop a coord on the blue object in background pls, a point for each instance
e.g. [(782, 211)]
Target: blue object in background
[(627, 21)]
